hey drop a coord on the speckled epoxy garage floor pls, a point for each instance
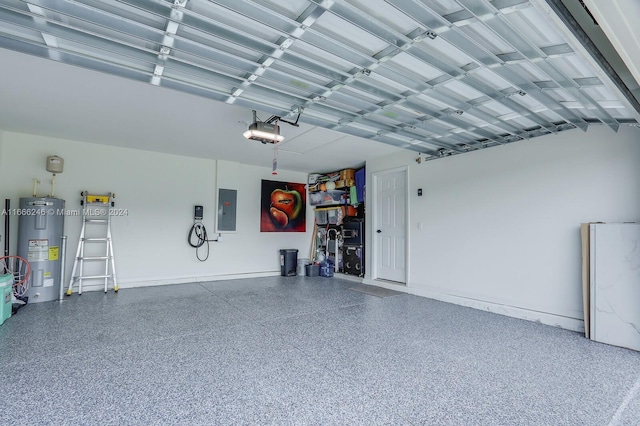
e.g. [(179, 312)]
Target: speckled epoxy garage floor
[(298, 351)]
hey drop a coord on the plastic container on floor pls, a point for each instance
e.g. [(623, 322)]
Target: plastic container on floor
[(312, 270), (302, 263), (326, 269), (6, 290)]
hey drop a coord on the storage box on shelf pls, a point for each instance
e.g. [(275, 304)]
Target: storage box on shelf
[(327, 198), (328, 215), (348, 174), (345, 183)]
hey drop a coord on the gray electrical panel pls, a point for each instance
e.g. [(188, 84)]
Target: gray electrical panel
[(227, 210)]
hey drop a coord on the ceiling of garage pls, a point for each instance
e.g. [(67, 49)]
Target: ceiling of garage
[(365, 77)]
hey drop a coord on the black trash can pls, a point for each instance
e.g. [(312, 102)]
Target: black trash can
[(288, 262)]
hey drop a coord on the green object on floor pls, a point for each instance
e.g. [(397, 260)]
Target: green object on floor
[(6, 289)]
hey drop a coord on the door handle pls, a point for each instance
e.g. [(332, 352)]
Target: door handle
[(379, 231)]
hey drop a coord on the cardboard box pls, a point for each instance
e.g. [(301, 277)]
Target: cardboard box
[(345, 183), (348, 174)]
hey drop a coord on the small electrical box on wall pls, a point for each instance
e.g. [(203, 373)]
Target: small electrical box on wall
[(198, 213), (227, 209)]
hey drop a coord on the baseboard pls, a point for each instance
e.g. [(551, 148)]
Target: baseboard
[(183, 280), (496, 308)]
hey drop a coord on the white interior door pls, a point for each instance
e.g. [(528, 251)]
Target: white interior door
[(389, 225)]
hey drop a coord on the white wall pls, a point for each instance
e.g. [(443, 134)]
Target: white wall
[(159, 192), (500, 227)]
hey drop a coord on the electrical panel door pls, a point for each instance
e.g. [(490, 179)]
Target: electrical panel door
[(227, 209)]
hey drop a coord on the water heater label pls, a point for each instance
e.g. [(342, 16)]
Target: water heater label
[(39, 203), (38, 250), (47, 281), (53, 253)]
